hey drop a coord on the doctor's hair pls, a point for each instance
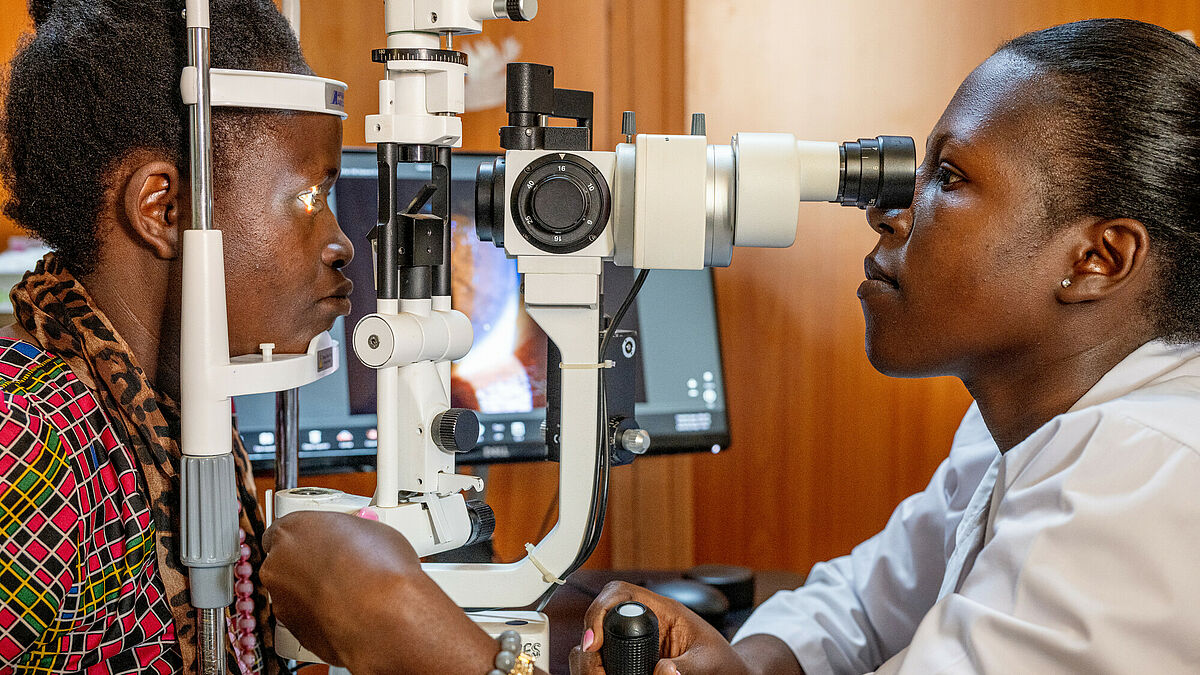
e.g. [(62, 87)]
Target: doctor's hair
[(98, 81), (1128, 121)]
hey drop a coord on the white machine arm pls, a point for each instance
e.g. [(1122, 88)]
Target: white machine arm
[(562, 295)]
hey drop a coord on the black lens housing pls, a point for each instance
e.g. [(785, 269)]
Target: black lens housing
[(489, 202), (879, 172)]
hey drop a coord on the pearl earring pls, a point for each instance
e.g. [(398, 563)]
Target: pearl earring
[(1066, 283)]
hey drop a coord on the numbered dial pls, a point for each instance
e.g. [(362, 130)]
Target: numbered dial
[(561, 203)]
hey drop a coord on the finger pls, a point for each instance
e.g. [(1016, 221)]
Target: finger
[(585, 663), (694, 660), (667, 667), (613, 594)]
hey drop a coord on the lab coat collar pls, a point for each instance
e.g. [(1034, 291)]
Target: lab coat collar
[(1155, 361)]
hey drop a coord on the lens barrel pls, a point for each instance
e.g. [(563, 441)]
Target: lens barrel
[(879, 172), (489, 202)]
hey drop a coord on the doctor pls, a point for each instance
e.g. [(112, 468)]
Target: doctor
[(1049, 261)]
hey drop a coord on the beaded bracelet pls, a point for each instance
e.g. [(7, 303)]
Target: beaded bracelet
[(511, 660)]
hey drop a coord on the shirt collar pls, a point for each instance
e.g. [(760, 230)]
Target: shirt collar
[(1152, 362)]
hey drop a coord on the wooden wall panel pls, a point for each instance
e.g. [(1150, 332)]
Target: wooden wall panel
[(14, 21)]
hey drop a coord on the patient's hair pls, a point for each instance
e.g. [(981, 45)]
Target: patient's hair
[(1128, 119), (99, 80)]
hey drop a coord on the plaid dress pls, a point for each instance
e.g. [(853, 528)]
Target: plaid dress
[(80, 587)]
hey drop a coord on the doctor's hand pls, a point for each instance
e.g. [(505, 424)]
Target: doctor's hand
[(352, 591), (687, 643)]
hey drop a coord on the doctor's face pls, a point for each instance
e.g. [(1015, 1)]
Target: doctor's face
[(965, 279)]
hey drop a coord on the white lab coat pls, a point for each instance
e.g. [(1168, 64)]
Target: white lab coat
[(1090, 558)]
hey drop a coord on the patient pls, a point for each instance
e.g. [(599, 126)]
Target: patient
[(95, 160), (1049, 260)]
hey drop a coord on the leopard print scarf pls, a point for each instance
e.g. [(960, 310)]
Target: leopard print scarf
[(57, 311)]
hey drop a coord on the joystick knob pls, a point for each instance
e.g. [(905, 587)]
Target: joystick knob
[(456, 430), (630, 640)]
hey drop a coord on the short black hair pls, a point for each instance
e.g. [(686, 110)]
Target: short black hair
[(1129, 123), (99, 80)]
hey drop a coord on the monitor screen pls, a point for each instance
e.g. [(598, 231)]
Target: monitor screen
[(680, 397)]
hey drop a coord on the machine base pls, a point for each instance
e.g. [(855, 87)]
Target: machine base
[(534, 628)]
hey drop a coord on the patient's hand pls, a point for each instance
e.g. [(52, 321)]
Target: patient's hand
[(352, 591)]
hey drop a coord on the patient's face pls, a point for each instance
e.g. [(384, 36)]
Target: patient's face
[(284, 249), (975, 271)]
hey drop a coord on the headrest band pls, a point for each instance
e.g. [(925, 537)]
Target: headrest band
[(262, 89)]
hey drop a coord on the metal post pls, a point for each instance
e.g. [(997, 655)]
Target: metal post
[(287, 439), (210, 622), (200, 116)]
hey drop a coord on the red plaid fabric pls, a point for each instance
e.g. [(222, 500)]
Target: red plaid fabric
[(79, 583)]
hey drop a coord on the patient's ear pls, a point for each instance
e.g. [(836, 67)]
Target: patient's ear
[(1107, 255), (152, 207)]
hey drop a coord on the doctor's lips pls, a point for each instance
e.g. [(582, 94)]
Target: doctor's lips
[(875, 272)]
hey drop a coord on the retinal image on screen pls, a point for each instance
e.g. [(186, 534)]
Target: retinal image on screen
[(679, 389)]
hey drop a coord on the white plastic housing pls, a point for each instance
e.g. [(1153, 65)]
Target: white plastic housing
[(401, 339), (273, 91), (205, 411), (432, 526), (419, 101), (670, 202), (775, 172)]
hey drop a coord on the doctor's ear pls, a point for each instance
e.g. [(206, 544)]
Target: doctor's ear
[(1104, 256), (152, 207)]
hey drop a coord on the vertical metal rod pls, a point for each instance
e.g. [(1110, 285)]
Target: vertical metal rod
[(200, 116), (287, 439), (210, 624)]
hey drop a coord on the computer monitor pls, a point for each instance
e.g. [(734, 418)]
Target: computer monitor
[(680, 390)]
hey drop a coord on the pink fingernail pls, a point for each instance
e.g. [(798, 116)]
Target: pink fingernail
[(588, 638), (367, 514)]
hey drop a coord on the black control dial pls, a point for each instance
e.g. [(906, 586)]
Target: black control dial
[(456, 430), (561, 203)]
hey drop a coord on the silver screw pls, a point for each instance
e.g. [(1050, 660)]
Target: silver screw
[(636, 441), (373, 342)]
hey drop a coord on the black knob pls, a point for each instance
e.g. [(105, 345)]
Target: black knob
[(483, 521), (521, 10), (630, 640), (456, 430)]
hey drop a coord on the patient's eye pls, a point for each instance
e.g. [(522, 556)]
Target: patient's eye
[(313, 198)]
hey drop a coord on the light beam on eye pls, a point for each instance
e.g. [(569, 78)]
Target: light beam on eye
[(310, 198)]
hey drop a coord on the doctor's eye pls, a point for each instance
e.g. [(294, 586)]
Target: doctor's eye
[(313, 198), (947, 177)]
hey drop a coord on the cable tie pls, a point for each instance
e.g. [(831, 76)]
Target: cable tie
[(588, 366), (547, 576)]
